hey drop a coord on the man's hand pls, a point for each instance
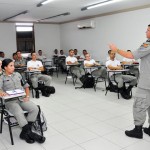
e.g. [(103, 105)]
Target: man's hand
[(113, 47), (26, 99), (119, 68), (3, 94)]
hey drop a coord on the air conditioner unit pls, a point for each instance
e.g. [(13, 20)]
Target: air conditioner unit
[(86, 24)]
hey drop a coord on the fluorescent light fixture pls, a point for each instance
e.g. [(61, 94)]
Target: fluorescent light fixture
[(24, 29), (105, 2), (64, 14), (24, 24), (24, 12), (44, 2)]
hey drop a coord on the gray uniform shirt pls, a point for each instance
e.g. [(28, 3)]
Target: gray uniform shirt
[(143, 52), (20, 62), (11, 82)]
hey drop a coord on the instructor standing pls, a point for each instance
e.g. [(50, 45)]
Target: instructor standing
[(142, 97)]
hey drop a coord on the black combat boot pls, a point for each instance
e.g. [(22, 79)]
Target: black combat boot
[(38, 138), (25, 134), (37, 95), (147, 130), (136, 132)]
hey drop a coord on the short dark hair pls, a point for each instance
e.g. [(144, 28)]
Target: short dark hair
[(71, 50), (128, 50), (109, 51), (14, 54), (32, 53), (6, 62), (149, 25), (18, 51), (40, 50)]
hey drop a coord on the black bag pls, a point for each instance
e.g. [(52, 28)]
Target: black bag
[(47, 90), (41, 84), (88, 81), (112, 87), (126, 93)]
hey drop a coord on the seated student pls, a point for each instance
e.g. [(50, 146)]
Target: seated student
[(132, 69), (98, 72), (20, 61), (14, 57), (61, 61), (2, 55), (36, 64), (56, 52), (61, 54), (76, 54), (84, 53), (11, 80), (71, 60), (40, 55), (114, 64)]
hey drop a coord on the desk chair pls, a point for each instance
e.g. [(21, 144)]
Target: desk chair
[(5, 114), (99, 79), (113, 84), (50, 67), (71, 75)]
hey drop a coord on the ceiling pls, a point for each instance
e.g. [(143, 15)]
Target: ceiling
[(10, 8)]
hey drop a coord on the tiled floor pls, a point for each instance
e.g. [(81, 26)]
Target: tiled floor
[(82, 119)]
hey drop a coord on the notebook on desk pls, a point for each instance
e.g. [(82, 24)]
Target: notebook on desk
[(14, 92)]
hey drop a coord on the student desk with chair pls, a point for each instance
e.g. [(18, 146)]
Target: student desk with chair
[(4, 112), (115, 72), (97, 78), (70, 74)]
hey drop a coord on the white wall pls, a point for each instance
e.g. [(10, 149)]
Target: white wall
[(127, 30), (7, 38), (47, 38)]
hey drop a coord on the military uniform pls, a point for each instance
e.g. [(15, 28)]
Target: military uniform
[(36, 77), (79, 72), (142, 96), (22, 61), (16, 105), (119, 77), (18, 63)]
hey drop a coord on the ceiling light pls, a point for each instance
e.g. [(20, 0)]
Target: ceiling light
[(105, 2), (24, 24), (24, 29), (24, 12), (64, 14), (44, 2)]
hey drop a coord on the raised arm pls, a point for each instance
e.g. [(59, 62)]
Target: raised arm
[(123, 53)]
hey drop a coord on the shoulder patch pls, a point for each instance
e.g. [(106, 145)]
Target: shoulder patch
[(145, 45)]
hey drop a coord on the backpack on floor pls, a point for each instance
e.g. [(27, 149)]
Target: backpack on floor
[(112, 87), (36, 124), (47, 91), (126, 94), (88, 81)]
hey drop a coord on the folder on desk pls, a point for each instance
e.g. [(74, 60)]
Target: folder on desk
[(14, 92)]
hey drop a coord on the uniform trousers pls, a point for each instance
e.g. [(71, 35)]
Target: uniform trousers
[(101, 72), (35, 78), (120, 79), (141, 106), (16, 107), (79, 72)]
